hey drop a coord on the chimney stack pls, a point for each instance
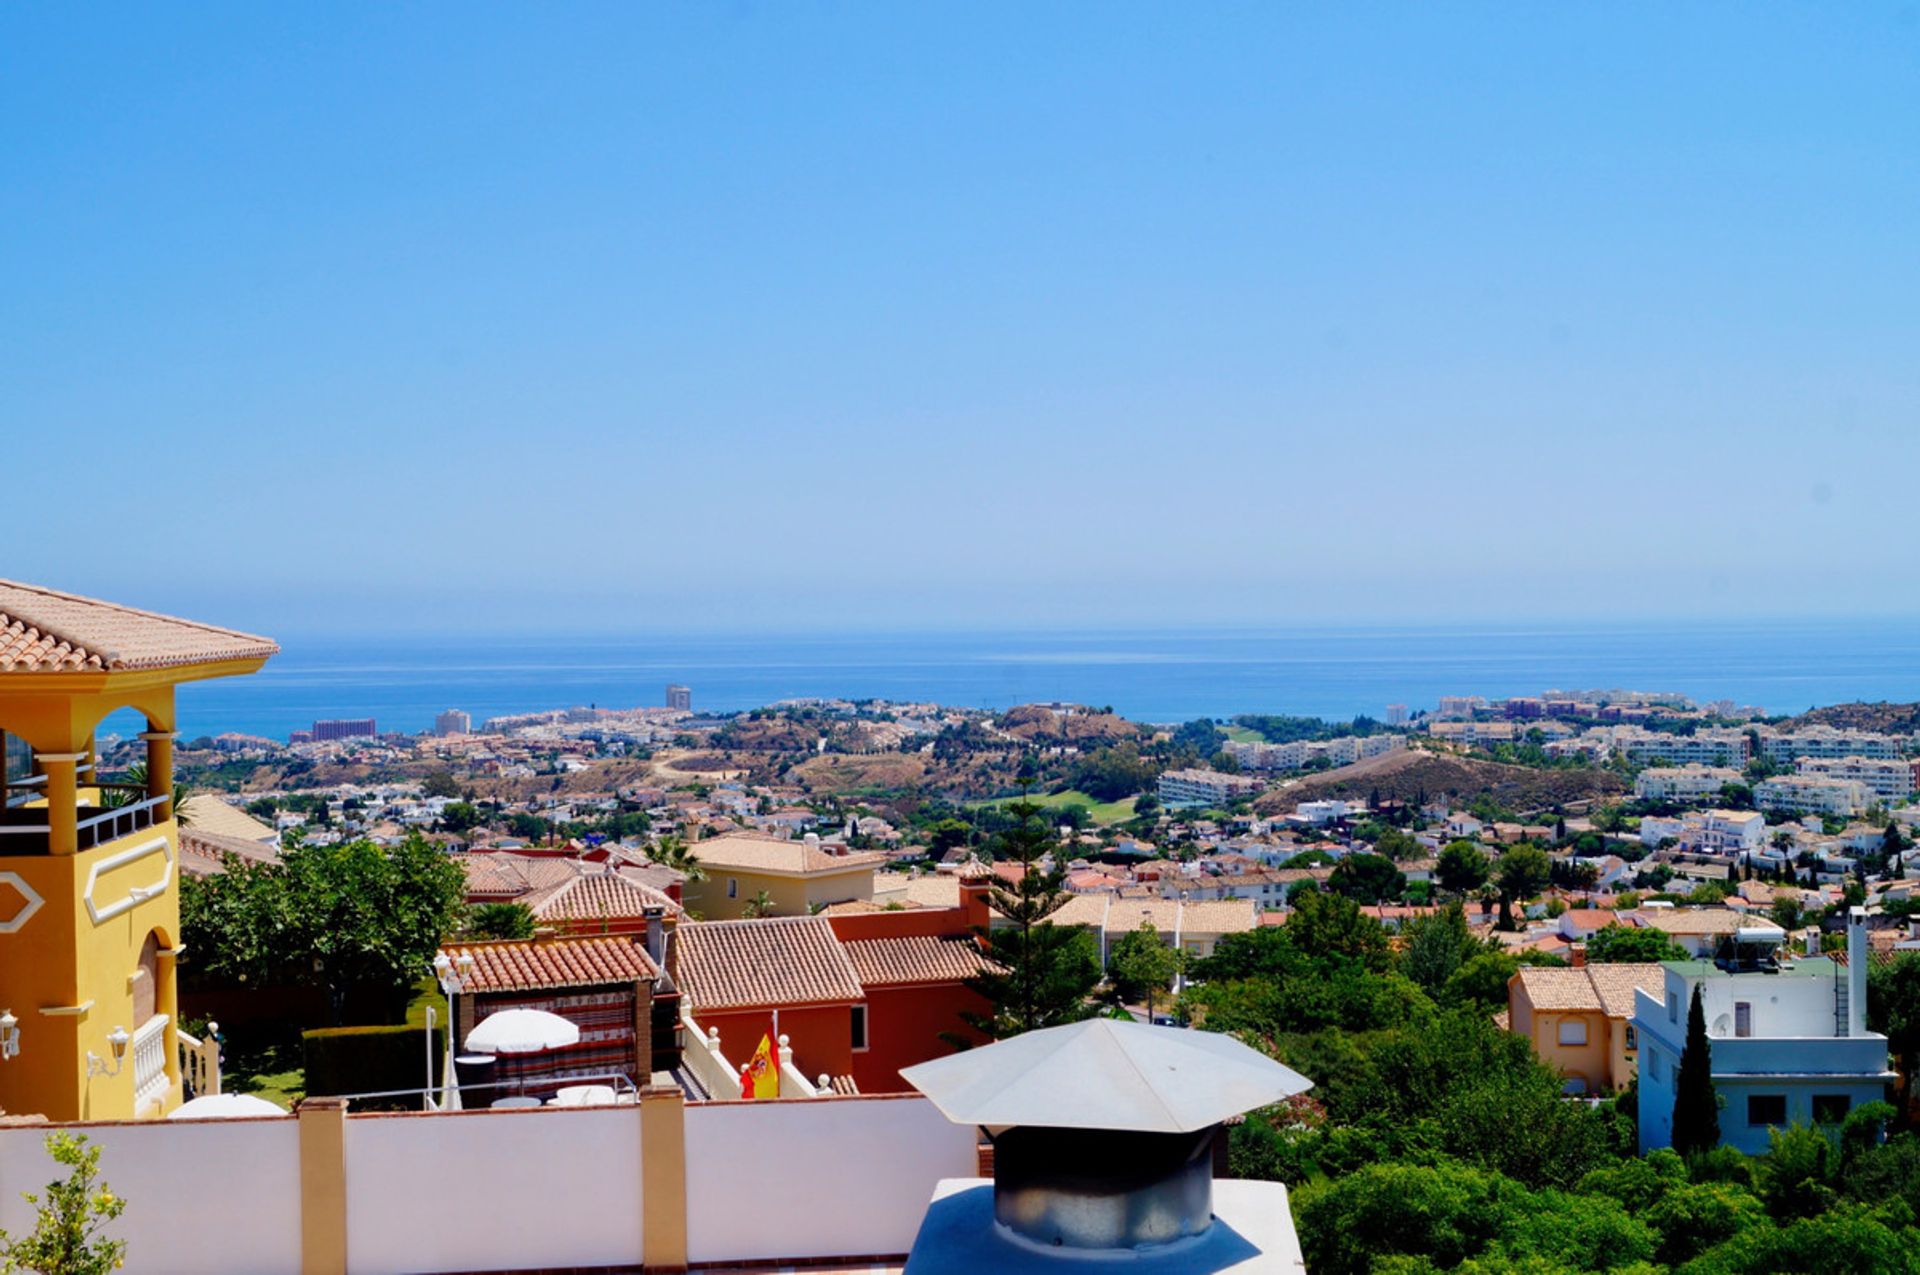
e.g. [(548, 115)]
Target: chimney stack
[(1856, 971), (1577, 953)]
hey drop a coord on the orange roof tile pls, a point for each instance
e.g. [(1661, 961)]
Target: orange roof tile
[(524, 965), (749, 851), (920, 958), (43, 631), (759, 964), (597, 896)]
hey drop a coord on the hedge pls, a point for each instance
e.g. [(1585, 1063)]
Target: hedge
[(343, 1060)]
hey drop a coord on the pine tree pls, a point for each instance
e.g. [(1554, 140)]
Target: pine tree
[(1696, 1107), (1044, 972)]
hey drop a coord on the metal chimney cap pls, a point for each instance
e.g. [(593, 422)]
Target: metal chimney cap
[(1106, 1074)]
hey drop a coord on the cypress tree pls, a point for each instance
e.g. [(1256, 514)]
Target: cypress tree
[(1696, 1107)]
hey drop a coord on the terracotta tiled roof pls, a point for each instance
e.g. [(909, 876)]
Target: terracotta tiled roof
[(1559, 989), (1607, 988), (940, 891), (204, 854), (1693, 920), (760, 964), (748, 852), (205, 812), (1618, 981), (42, 631), (1123, 914), (525, 965), (595, 896), (920, 958), (499, 876)]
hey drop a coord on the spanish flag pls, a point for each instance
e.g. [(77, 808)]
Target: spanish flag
[(761, 1076)]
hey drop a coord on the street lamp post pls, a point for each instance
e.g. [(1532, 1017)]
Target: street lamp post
[(454, 973)]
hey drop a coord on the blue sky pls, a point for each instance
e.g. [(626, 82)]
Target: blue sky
[(722, 316)]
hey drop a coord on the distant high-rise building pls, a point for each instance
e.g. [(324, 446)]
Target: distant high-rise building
[(300, 737), (452, 722), (345, 728), (1396, 714), (680, 697)]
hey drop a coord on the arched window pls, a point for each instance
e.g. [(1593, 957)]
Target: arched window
[(146, 981)]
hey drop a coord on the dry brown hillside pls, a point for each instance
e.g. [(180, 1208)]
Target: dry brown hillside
[(1032, 722), (1405, 776), (1894, 719)]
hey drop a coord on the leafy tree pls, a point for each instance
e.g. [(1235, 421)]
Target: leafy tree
[(1042, 972), (1523, 871), (349, 915), (1367, 878), (1332, 925), (1696, 1107), (1111, 774), (527, 827), (69, 1218), (440, 783), (1893, 1007), (947, 834), (1794, 1174), (1461, 869), (500, 921), (760, 906), (460, 817), (1395, 845), (1436, 946), (1844, 1239), (1619, 943), (1481, 980), (1142, 964)]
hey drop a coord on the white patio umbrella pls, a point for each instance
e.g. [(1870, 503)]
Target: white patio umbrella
[(521, 1031), (224, 1106)]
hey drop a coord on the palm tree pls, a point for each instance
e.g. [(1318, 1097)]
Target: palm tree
[(673, 852), (136, 777), (760, 905)]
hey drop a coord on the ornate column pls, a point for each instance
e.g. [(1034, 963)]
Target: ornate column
[(159, 764), (63, 799)]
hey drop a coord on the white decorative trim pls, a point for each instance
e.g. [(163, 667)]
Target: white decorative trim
[(138, 894), (67, 1011), (28, 893)]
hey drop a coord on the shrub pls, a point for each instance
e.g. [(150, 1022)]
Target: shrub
[(344, 1060)]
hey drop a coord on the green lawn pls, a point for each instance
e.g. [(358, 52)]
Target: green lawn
[(1243, 735), (1101, 811)]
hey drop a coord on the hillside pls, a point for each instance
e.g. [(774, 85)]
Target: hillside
[(1405, 776), (1890, 718), (1036, 724)]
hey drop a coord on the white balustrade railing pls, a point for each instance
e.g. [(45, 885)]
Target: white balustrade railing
[(700, 1050), (200, 1061), (149, 1049)]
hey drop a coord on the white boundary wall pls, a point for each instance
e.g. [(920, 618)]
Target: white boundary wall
[(493, 1190), (204, 1197), (827, 1177)]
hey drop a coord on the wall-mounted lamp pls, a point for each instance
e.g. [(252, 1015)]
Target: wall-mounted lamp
[(117, 1039), (9, 1035)]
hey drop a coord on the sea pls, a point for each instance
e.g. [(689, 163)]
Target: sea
[(1152, 676)]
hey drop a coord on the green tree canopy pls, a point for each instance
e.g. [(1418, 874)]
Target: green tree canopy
[(1142, 965), (1618, 943), (1367, 878), (346, 915), (500, 921), (1462, 868)]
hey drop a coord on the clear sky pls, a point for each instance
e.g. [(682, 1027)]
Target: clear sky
[(593, 317)]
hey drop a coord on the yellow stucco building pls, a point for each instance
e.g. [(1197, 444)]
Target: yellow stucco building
[(796, 876), (89, 897), (1580, 1019)]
